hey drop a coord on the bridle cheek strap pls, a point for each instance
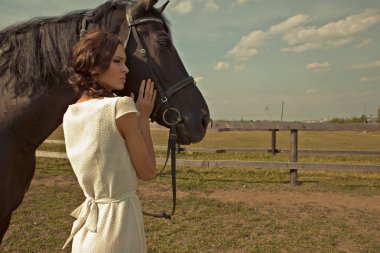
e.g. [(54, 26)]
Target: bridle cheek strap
[(169, 92), (164, 100)]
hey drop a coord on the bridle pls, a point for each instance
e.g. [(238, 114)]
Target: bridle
[(164, 94)]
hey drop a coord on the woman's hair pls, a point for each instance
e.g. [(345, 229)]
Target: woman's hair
[(91, 56)]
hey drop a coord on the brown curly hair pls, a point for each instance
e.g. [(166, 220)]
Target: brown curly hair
[(92, 56)]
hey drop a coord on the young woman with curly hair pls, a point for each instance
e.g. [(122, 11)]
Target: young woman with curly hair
[(109, 146)]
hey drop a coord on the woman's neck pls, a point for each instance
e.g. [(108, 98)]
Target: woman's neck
[(84, 98)]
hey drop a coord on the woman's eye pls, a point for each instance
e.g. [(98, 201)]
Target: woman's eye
[(116, 61)]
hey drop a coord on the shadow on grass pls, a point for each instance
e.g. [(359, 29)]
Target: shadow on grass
[(360, 186)]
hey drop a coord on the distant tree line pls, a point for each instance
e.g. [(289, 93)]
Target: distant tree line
[(361, 119)]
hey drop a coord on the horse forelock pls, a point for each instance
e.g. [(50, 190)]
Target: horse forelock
[(140, 11)]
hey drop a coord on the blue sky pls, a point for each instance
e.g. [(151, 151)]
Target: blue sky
[(322, 58)]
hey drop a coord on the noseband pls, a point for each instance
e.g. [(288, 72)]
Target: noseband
[(164, 94)]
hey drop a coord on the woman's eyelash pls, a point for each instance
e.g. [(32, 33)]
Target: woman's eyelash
[(119, 61)]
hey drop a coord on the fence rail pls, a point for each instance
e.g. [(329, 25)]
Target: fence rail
[(246, 164), (293, 165), (294, 128), (248, 150), (304, 127)]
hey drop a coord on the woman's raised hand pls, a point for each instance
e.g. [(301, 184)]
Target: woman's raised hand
[(147, 96)]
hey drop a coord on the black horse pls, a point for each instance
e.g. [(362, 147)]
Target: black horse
[(34, 95)]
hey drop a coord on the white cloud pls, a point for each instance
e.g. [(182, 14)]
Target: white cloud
[(369, 79), (183, 7), (333, 34), (301, 39), (301, 48), (288, 24), (364, 43), (338, 42), (186, 6), (240, 2), (221, 65), (239, 67), (366, 65), (311, 91), (210, 6), (319, 67), (199, 79), (246, 47)]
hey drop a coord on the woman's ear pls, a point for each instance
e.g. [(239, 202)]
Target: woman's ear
[(96, 72)]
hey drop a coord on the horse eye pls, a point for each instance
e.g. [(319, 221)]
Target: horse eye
[(164, 42)]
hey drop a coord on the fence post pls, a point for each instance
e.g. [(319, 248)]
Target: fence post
[(293, 155), (274, 150)]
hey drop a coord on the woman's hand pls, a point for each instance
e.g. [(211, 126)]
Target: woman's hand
[(147, 96), (137, 133)]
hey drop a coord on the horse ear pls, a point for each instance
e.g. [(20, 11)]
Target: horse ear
[(162, 8), (150, 4)]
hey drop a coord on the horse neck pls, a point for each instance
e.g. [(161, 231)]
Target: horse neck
[(33, 94), (33, 118), (35, 63)]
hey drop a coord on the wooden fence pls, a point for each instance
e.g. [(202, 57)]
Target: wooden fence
[(293, 165), (294, 128)]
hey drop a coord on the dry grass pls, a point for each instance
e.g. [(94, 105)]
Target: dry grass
[(227, 209), (219, 210), (318, 140)]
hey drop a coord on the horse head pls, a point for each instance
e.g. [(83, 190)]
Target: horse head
[(151, 54)]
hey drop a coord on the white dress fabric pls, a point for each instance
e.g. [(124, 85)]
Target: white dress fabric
[(110, 219)]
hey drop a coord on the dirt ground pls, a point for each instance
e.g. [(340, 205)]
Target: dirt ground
[(275, 208), (252, 197)]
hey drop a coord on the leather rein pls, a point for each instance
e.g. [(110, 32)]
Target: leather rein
[(164, 94)]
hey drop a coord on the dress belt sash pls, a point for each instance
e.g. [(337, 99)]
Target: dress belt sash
[(87, 213)]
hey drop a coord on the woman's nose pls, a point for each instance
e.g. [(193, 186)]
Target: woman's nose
[(125, 68)]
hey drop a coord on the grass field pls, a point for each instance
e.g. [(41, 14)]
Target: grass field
[(261, 140), (227, 209), (318, 140)]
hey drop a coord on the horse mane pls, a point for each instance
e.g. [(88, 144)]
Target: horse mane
[(33, 54)]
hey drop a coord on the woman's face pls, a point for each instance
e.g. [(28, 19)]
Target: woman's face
[(114, 77)]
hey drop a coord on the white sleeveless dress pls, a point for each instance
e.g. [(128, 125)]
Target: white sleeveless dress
[(110, 219)]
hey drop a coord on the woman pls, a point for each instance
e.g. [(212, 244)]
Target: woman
[(109, 146)]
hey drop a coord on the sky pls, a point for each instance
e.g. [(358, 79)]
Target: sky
[(320, 59)]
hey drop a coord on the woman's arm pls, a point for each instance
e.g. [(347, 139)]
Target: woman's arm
[(136, 133), (137, 137)]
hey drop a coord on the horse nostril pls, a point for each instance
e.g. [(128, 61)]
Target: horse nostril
[(205, 121)]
